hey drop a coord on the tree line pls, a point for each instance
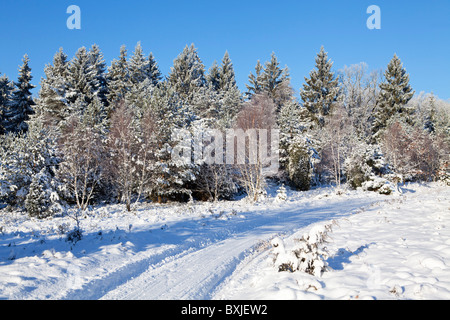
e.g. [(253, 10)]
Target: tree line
[(98, 133)]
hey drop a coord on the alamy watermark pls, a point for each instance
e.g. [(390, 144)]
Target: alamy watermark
[(233, 147), (374, 21), (74, 20)]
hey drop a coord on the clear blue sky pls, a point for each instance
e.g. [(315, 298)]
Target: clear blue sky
[(418, 31)]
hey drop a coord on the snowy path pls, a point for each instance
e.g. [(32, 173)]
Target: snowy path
[(195, 273), (187, 251)]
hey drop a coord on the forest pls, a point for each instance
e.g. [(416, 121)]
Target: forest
[(99, 134)]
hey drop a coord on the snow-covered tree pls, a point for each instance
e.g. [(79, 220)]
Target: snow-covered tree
[(321, 89), (187, 75), (395, 92), (255, 85), (170, 176), (359, 90), (21, 106), (222, 96), (118, 79), (42, 200), (122, 149), (98, 86), (271, 79), (83, 153), (258, 113), (52, 103), (23, 156), (6, 88)]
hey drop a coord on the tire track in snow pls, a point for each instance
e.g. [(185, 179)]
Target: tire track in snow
[(193, 270)]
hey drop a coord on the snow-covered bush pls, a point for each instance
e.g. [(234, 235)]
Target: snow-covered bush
[(308, 255), (366, 168), (42, 201), (281, 194), (301, 160), (22, 157)]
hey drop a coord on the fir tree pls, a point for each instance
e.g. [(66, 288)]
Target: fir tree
[(99, 85), (395, 92), (118, 79), (227, 75), (255, 85), (82, 78), (52, 103), (187, 75), (321, 89), (6, 88), (276, 82), (213, 77), (138, 66), (142, 68), (222, 97), (21, 105), (154, 73)]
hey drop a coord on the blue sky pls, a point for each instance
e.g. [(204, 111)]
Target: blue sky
[(418, 31)]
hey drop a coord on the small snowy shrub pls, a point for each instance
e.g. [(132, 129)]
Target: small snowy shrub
[(307, 256), (281, 194)]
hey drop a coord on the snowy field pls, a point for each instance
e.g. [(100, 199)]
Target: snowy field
[(381, 247)]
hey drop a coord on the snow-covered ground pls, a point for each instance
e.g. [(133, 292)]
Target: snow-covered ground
[(383, 247)]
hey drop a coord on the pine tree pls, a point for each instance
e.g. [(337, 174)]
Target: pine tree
[(41, 198), (52, 103), (227, 75), (321, 89), (23, 156), (142, 68), (276, 82), (6, 88), (154, 73), (169, 177), (187, 75), (118, 79), (21, 105), (255, 85), (99, 85), (222, 97), (82, 78), (138, 66), (394, 95), (213, 77)]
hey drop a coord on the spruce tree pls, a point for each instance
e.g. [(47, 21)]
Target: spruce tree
[(154, 73), (142, 68), (224, 97), (213, 77), (255, 85), (321, 89), (138, 66), (227, 75), (82, 79), (21, 105), (52, 104), (98, 85), (118, 79), (187, 75), (276, 82), (6, 88), (395, 92)]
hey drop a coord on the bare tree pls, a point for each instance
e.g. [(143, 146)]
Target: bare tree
[(253, 125), (83, 153), (122, 146), (336, 136)]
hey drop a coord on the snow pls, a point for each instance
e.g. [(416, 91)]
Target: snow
[(381, 247)]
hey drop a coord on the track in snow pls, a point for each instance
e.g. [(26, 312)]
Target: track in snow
[(195, 272)]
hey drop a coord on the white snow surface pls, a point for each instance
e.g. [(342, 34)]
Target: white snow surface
[(381, 247)]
